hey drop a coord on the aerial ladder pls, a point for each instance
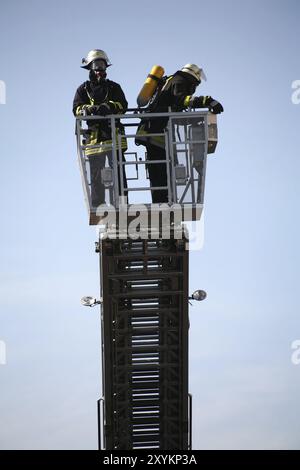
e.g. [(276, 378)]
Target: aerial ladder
[(144, 270)]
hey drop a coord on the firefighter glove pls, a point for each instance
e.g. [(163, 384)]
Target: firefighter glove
[(102, 109), (87, 109), (98, 110), (214, 106)]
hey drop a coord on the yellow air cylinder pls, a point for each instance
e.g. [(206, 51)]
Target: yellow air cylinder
[(150, 85)]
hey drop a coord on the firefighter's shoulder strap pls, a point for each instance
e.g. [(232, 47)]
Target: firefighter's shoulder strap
[(107, 84), (163, 82)]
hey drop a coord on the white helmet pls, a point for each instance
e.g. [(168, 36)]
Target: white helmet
[(195, 71), (93, 55)]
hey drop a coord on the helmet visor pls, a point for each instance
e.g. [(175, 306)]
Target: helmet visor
[(203, 76)]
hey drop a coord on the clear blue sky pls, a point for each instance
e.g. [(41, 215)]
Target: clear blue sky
[(246, 389)]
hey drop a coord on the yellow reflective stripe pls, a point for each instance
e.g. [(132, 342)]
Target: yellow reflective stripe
[(80, 108), (107, 142), (187, 100), (93, 138), (142, 136), (141, 130), (117, 105), (159, 141), (205, 98), (102, 146)]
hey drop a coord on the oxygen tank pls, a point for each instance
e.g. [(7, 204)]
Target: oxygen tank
[(150, 85)]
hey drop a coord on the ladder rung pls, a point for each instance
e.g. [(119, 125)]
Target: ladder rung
[(144, 293)]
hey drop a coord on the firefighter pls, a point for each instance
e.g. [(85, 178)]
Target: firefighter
[(176, 92), (99, 97)]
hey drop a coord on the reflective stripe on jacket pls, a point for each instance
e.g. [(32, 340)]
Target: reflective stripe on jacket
[(96, 93), (103, 146), (143, 139)]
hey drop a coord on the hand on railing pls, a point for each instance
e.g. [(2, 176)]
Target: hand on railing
[(206, 102), (98, 110)]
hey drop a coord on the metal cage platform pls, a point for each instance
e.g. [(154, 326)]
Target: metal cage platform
[(188, 138)]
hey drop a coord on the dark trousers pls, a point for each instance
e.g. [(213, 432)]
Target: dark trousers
[(157, 173), (97, 163)]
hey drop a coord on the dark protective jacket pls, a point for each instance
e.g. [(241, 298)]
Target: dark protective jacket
[(176, 93), (93, 92)]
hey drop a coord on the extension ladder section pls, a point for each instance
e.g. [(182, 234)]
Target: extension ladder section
[(145, 344)]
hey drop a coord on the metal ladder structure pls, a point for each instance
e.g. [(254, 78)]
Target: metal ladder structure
[(145, 400), (145, 344)]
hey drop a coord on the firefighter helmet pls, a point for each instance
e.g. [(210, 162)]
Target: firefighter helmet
[(195, 71), (93, 55)]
